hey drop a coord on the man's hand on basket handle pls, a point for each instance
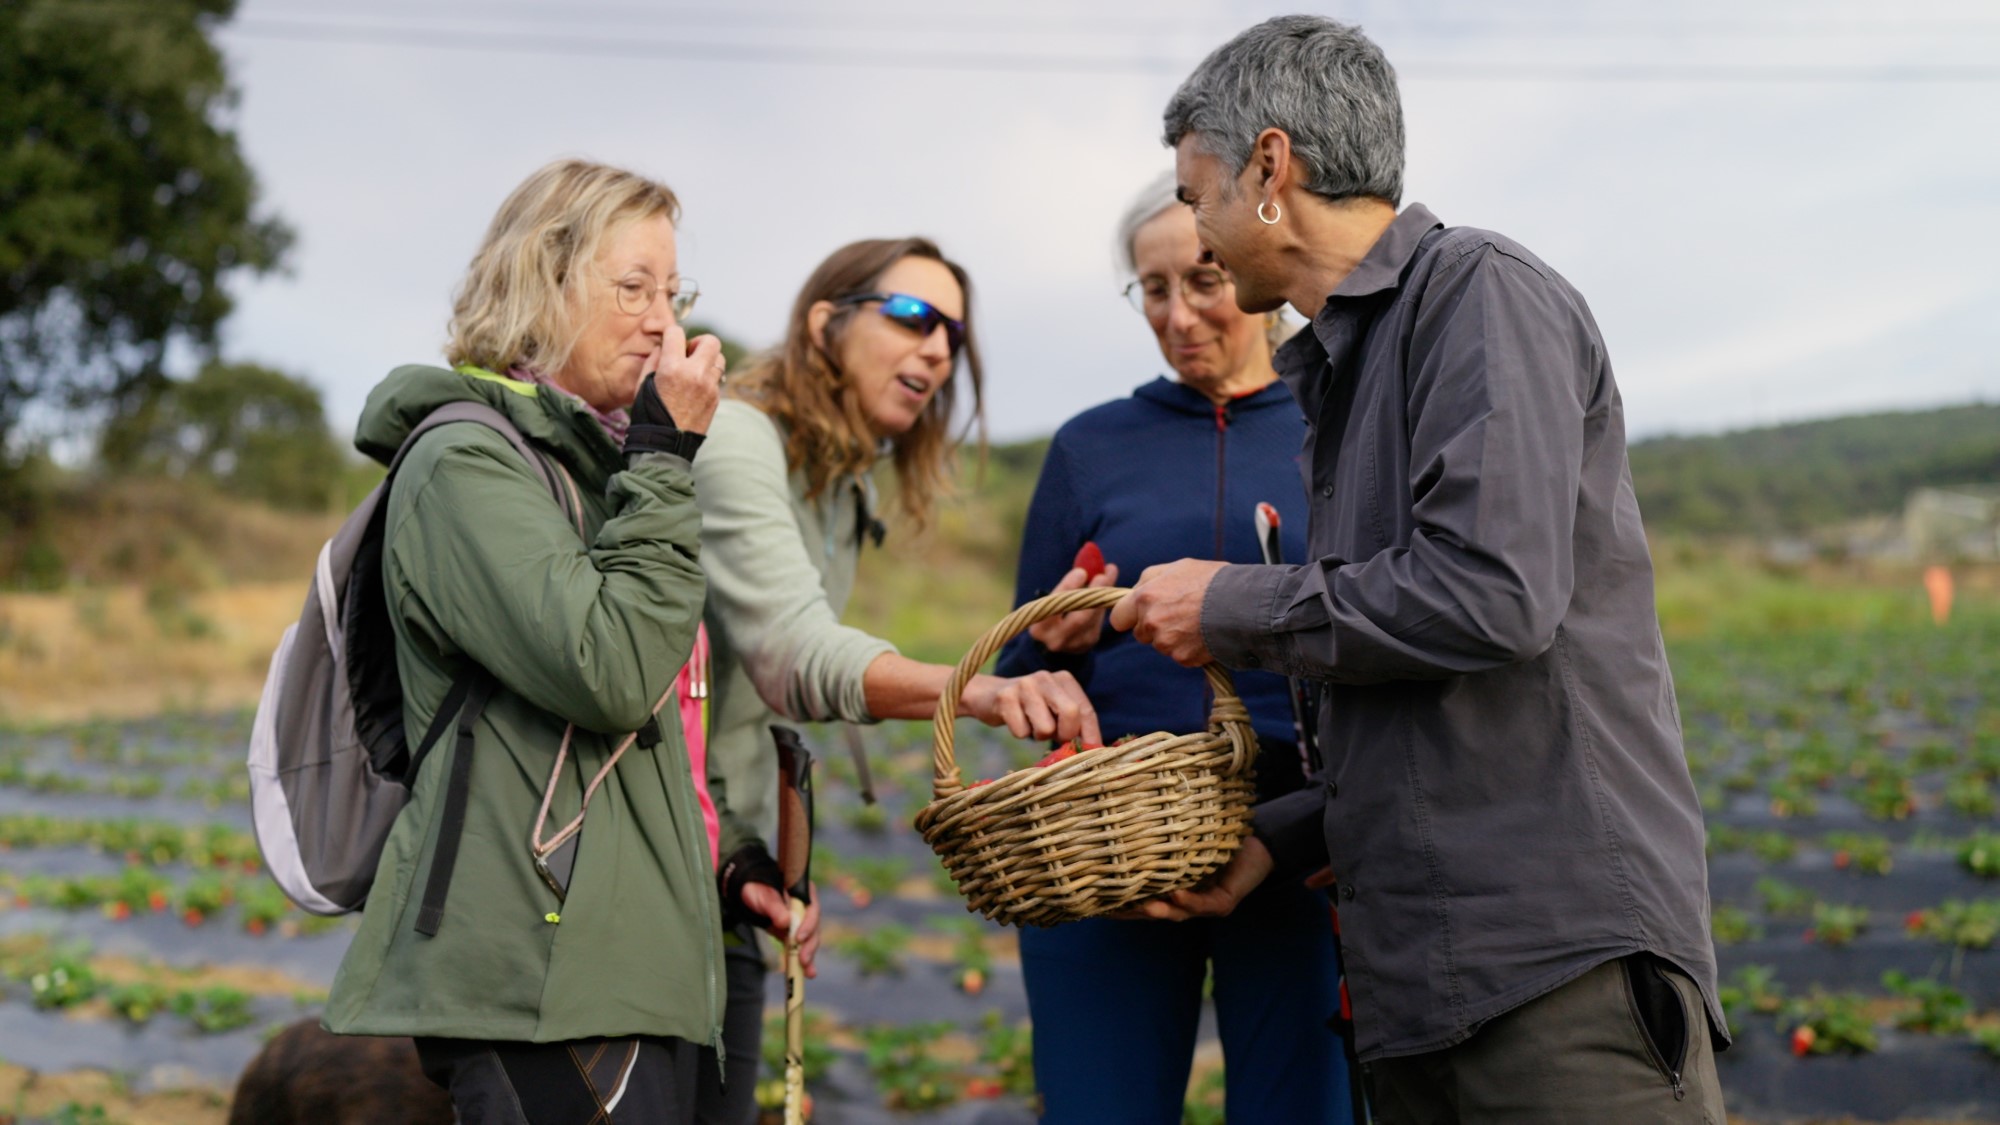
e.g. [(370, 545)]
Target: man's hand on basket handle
[(1164, 609), (1077, 631), (1043, 705), (770, 905), (1217, 895)]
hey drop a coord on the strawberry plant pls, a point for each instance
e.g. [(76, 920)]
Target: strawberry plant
[(1970, 796), (899, 1058), (1010, 1051), (138, 1002), (1825, 1022), (1733, 924), (1966, 925), (1774, 847), (1939, 1009), (1863, 852), (1780, 899), (1752, 989), (1836, 925), (63, 980), (1988, 1037), (875, 952), (1886, 793), (1981, 854), (213, 1010)]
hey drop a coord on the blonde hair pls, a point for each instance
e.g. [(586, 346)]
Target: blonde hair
[(827, 435), (527, 291)]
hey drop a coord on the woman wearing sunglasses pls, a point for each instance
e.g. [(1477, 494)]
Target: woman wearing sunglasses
[(865, 374), (1174, 471)]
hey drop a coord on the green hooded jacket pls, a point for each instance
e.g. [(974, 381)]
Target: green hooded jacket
[(482, 566)]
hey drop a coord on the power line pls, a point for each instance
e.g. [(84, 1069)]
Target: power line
[(1043, 63)]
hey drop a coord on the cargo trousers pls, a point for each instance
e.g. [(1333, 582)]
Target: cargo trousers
[(1626, 1042)]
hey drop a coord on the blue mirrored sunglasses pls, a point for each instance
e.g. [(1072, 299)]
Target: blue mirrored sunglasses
[(913, 313)]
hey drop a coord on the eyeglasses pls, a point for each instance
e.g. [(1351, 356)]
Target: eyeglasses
[(913, 313), (636, 293), (1200, 289)]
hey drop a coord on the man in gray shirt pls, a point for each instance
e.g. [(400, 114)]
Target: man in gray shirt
[(1506, 804)]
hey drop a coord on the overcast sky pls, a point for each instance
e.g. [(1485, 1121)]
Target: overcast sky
[(1777, 210)]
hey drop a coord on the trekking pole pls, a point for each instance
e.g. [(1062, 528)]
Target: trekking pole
[(1272, 546), (795, 824)]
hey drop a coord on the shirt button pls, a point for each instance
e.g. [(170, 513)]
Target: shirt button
[(1332, 788), (1326, 490), (1347, 892)]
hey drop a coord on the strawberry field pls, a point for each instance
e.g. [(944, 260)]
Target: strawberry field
[(1850, 776)]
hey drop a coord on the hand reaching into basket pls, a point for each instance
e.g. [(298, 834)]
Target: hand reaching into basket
[(1079, 631), (1049, 706)]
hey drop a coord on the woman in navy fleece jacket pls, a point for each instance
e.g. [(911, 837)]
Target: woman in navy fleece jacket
[(1176, 471)]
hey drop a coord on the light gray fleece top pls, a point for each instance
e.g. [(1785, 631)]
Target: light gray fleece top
[(780, 569)]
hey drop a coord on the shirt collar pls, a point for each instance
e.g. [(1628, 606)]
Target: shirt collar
[(1381, 271)]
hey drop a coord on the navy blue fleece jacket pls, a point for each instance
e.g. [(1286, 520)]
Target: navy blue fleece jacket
[(1163, 475)]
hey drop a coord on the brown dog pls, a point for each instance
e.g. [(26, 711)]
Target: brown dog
[(307, 1075)]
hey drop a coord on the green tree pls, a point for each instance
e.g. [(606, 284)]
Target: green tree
[(124, 201), (251, 431)]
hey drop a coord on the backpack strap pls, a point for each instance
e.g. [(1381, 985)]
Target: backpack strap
[(467, 410), (471, 692), (479, 686)]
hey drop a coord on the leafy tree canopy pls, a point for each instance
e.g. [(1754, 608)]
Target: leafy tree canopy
[(249, 430), (124, 200)]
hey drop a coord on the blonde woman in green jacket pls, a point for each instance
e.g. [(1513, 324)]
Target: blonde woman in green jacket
[(865, 374), (530, 1005)]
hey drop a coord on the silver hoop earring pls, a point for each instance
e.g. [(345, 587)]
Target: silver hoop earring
[(1275, 213)]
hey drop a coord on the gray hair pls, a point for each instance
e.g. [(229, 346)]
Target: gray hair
[(1153, 200), (1156, 199), (1324, 83)]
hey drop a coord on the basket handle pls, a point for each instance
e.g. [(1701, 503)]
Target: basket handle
[(945, 777)]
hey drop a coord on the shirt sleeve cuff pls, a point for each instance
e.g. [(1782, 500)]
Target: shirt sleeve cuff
[(1293, 830), (1236, 615)]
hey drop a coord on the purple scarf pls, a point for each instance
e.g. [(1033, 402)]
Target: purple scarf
[(614, 422)]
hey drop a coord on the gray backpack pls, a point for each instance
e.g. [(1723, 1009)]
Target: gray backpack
[(330, 764)]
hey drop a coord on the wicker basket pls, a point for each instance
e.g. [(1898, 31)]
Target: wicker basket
[(1099, 831)]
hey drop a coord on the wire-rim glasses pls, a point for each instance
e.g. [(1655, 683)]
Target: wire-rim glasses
[(637, 291), (1200, 288)]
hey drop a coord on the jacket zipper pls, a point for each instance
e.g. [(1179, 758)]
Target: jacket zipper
[(703, 871), (1221, 470)]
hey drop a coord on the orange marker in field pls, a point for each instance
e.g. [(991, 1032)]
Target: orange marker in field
[(1937, 583)]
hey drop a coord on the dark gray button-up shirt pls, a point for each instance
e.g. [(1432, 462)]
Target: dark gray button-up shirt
[(1508, 802)]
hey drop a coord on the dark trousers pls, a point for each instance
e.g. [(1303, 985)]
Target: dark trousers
[(1626, 1042), (578, 1082), (1117, 1004), (728, 1094)]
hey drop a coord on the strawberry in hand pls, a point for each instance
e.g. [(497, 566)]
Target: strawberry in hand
[(1090, 560)]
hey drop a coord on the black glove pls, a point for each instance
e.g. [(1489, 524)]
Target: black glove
[(652, 429), (748, 864)]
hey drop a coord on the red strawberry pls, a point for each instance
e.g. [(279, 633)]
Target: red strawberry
[(191, 916), (983, 1088), (255, 926), (980, 782), (1802, 1041), (1090, 559), (1913, 921), (972, 982), (1062, 753), (1841, 859), (157, 900)]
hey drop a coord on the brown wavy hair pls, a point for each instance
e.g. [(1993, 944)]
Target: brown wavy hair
[(826, 431)]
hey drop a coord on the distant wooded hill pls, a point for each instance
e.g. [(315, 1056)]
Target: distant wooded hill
[(1811, 474)]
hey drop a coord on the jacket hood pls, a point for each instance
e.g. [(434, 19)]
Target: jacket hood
[(1183, 399), (410, 393)]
